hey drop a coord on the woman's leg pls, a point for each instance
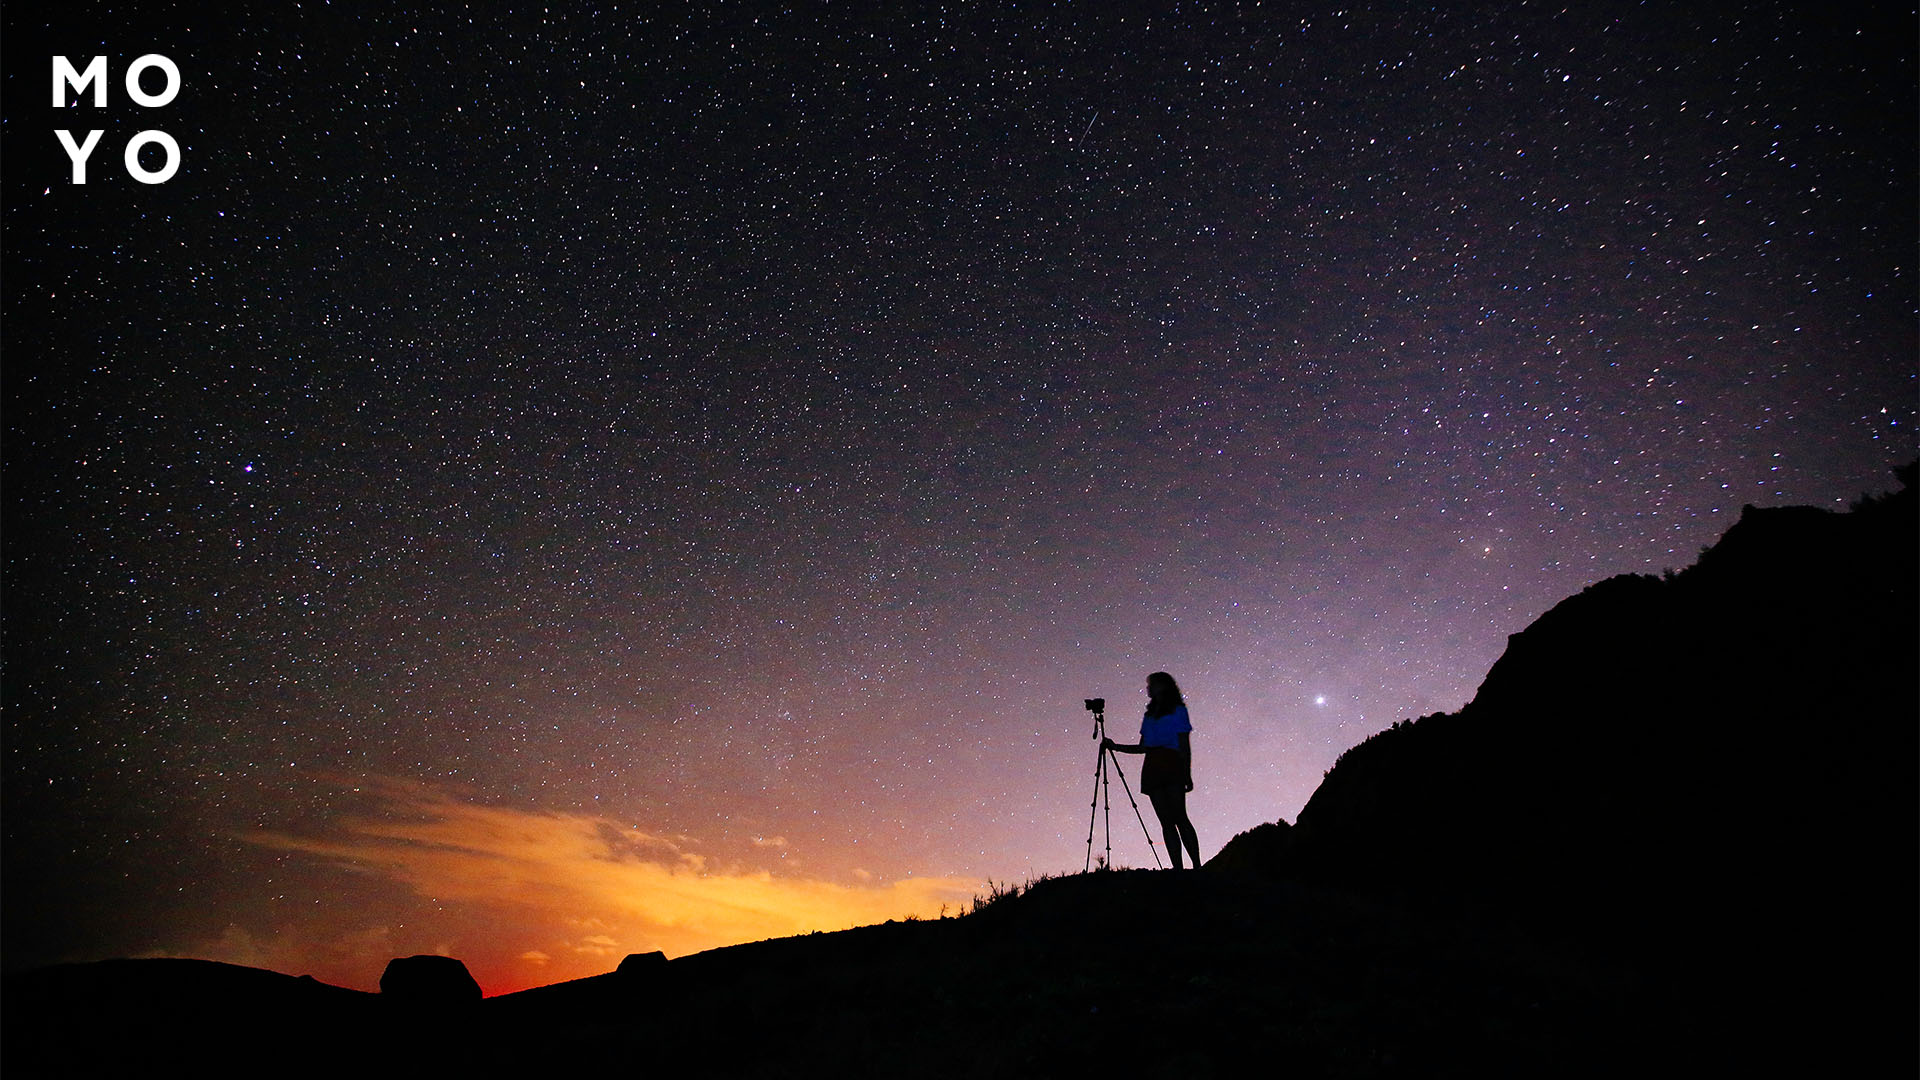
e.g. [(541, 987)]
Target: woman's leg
[(1171, 808), (1187, 834)]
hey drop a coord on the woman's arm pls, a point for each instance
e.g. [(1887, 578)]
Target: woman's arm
[(1125, 748)]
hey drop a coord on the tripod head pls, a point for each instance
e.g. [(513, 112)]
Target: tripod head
[(1098, 707)]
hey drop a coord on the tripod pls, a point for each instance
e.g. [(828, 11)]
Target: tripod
[(1101, 808)]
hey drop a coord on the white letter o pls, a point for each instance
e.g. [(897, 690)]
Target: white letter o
[(166, 143), (152, 101)]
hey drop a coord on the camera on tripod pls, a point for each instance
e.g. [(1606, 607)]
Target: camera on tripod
[(1109, 759)]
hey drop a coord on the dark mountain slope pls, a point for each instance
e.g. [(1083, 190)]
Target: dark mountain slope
[(1714, 772), (1683, 727)]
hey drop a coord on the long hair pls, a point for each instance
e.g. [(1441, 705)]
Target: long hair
[(1163, 694)]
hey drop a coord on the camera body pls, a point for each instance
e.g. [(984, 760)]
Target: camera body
[(1096, 704)]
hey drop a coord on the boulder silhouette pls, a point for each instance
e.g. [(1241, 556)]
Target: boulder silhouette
[(433, 981), (643, 965)]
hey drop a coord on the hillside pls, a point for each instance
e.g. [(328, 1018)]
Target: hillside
[(1710, 773), (1694, 727), (1056, 981), (1675, 825)]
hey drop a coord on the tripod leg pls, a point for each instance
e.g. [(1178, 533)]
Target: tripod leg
[(1106, 810), (1136, 814), (1093, 808)]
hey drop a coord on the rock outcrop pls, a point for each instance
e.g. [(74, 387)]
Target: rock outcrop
[(439, 982)]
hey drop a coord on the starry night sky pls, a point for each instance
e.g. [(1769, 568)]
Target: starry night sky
[(554, 485)]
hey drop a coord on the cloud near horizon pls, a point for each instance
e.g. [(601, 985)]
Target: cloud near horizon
[(534, 897)]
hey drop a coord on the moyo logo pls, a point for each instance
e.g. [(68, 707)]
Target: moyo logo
[(95, 76)]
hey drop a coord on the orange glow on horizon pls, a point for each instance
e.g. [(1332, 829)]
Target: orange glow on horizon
[(528, 898)]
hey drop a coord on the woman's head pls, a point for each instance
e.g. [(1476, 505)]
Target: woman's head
[(1162, 692)]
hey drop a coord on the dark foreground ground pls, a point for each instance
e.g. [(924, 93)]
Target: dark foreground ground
[(1151, 973)]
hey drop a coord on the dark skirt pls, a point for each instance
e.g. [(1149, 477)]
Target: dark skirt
[(1164, 770)]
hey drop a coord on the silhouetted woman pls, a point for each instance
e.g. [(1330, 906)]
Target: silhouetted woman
[(1167, 774)]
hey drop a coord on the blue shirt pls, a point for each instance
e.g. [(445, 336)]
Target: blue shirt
[(1165, 731)]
